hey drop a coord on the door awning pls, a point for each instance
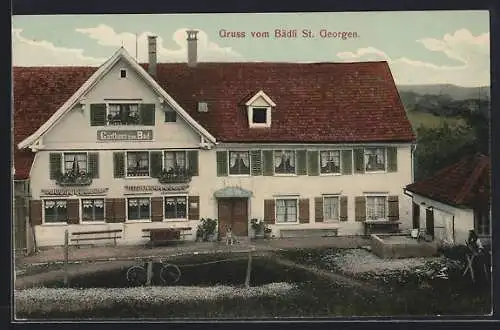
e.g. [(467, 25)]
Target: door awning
[(232, 192)]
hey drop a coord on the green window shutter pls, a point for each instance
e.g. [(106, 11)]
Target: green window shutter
[(55, 165), (346, 161), (392, 159), (269, 211), (301, 162), (256, 162), (359, 161), (119, 164), (98, 114), (360, 208), (393, 213), (192, 156), (148, 114), (221, 163), (343, 208), (267, 162), (318, 209), (93, 160), (155, 163), (313, 162)]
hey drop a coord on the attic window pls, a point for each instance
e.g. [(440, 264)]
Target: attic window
[(259, 115), (123, 73), (202, 107)]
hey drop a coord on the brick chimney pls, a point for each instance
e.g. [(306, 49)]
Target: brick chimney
[(152, 55), (192, 48)]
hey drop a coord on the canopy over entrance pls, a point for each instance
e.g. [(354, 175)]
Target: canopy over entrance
[(232, 192)]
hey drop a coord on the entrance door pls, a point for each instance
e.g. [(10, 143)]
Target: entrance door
[(429, 222), (416, 215), (233, 212)]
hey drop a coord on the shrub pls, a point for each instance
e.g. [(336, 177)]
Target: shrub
[(206, 229)]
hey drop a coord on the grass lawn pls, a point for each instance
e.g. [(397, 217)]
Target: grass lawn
[(310, 296), (418, 118)]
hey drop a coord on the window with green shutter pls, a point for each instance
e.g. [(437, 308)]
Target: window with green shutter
[(156, 163), (267, 163), (55, 165), (93, 159), (359, 163), (221, 163), (313, 162), (301, 162), (119, 164), (118, 114), (256, 162), (193, 162), (346, 161), (392, 159), (147, 114), (98, 114)]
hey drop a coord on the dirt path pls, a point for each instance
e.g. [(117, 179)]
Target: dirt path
[(335, 277)]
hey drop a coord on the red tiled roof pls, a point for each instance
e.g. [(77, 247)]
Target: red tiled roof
[(459, 184), (318, 102)]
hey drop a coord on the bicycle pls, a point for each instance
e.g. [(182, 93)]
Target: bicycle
[(169, 274)]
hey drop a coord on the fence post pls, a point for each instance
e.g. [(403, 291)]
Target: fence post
[(149, 272), (249, 269), (66, 256)]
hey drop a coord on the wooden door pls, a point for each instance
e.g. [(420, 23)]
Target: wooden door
[(429, 222), (233, 212), (416, 215)]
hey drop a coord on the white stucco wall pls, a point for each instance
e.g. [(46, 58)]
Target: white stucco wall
[(463, 219), (74, 132)]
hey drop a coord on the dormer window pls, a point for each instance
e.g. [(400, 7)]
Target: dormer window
[(259, 109), (259, 116)]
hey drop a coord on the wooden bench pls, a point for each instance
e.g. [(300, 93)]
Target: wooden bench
[(112, 234), (160, 236), (381, 226)]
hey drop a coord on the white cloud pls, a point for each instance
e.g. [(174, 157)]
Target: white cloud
[(26, 52), (207, 50), (471, 53)]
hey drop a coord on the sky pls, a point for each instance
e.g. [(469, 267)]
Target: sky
[(431, 47)]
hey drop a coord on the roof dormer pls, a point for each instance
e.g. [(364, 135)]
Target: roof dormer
[(259, 108)]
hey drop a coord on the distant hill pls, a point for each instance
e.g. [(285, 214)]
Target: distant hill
[(455, 92)]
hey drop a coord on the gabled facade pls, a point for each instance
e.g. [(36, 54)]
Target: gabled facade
[(454, 200), (301, 146)]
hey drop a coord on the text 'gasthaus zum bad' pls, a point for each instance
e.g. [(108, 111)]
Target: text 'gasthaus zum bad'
[(289, 34)]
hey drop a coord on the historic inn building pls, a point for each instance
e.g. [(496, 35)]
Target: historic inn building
[(317, 147)]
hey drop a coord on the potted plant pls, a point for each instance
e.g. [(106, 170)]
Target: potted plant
[(258, 227), (206, 231)]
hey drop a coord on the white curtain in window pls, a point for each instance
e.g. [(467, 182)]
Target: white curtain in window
[(61, 204), (331, 208), (144, 202), (50, 204), (375, 207), (278, 156), (99, 203), (181, 200), (380, 156), (180, 159), (169, 160), (170, 201), (114, 108), (280, 210), (330, 157), (291, 210), (290, 155), (87, 203), (233, 158), (134, 109), (132, 202)]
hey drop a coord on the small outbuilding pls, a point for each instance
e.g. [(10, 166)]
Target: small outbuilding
[(454, 200)]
